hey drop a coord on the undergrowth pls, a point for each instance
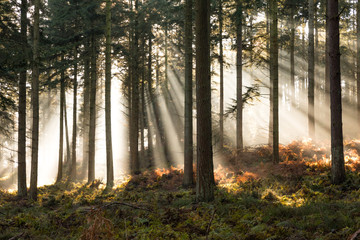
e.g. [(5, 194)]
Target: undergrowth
[(293, 201)]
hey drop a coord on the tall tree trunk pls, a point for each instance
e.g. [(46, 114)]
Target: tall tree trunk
[(142, 104), (67, 157), (205, 169), (292, 53), (337, 152), (74, 130), (188, 126), (221, 61), (358, 60), (86, 110), (92, 126), (149, 79), (239, 100), (61, 127), (109, 152), (274, 77), (35, 104), (271, 114), (327, 69), (311, 72), (134, 125), (22, 191)]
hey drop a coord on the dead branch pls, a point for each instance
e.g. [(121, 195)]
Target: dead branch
[(17, 236), (209, 225), (354, 236)]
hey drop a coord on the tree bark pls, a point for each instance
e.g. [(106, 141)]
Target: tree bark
[(188, 126), (205, 173), (311, 72), (274, 77), (109, 152), (22, 190), (337, 152), (358, 60), (35, 104), (86, 110), (61, 127), (149, 79), (221, 62), (134, 124), (239, 100), (74, 130), (92, 126), (292, 52)]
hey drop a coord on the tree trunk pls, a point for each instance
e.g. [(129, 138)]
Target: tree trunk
[(22, 190), (268, 23), (188, 126), (150, 133), (86, 111), (92, 126), (292, 53), (274, 77), (134, 125), (311, 72), (35, 104), (239, 100), (205, 169), (337, 152), (74, 130), (221, 62), (61, 127), (109, 152), (358, 60)]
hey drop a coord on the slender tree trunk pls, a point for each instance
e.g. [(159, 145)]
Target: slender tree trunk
[(61, 127), (205, 173), (86, 110), (358, 61), (74, 130), (311, 72), (35, 104), (188, 127), (274, 77), (337, 152), (221, 61), (22, 191), (134, 125), (150, 133), (239, 100), (292, 53), (68, 156), (109, 152), (268, 23), (92, 126), (327, 69), (142, 105)]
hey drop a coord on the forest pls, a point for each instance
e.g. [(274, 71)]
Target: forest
[(180, 119)]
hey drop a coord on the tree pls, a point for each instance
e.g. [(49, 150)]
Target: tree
[(188, 128), (274, 78), (311, 72), (337, 151), (221, 61), (239, 100), (61, 124), (205, 173), (72, 175), (35, 104), (358, 60), (109, 154), (92, 126), (22, 191)]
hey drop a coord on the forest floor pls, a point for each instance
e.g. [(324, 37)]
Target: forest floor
[(254, 199)]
